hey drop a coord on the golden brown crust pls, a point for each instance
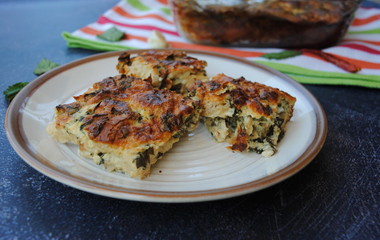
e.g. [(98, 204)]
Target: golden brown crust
[(129, 112), (166, 69), (256, 96), (240, 144), (65, 111), (168, 61)]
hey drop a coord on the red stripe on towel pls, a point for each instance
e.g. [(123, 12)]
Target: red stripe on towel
[(103, 20)]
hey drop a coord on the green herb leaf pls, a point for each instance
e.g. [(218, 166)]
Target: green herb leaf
[(112, 34), (12, 90), (44, 65), (281, 55)]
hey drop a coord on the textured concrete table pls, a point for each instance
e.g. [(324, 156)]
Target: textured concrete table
[(335, 197)]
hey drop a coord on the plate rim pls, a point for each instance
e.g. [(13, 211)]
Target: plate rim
[(14, 135)]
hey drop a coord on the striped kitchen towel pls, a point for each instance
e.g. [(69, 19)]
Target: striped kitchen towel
[(138, 18)]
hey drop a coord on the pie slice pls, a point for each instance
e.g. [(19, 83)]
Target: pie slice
[(248, 115), (125, 124), (169, 69)]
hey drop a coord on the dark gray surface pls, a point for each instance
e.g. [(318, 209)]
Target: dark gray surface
[(335, 197)]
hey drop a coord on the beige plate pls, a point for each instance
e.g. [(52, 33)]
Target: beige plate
[(196, 169)]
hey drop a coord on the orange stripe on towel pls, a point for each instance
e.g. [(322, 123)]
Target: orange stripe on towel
[(363, 21), (215, 49), (91, 31), (95, 32), (165, 2), (363, 41), (123, 13)]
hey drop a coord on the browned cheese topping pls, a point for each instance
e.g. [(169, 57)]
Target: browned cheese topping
[(256, 96), (128, 112), (249, 115), (165, 69)]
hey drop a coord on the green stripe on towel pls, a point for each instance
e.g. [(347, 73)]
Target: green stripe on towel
[(78, 42), (307, 76), (166, 11), (138, 5), (371, 31)]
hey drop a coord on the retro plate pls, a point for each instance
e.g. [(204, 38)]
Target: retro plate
[(196, 169)]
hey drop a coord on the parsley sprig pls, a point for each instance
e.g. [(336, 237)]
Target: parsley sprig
[(43, 66), (12, 90)]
